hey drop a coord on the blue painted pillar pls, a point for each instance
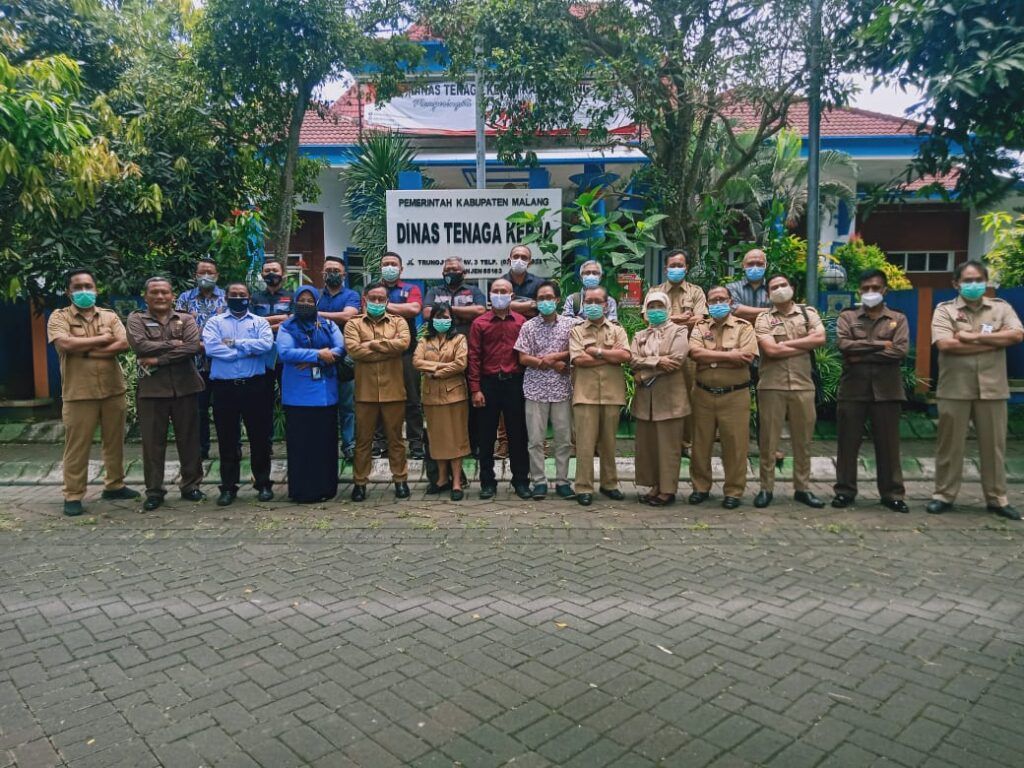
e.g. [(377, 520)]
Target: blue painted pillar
[(540, 178)]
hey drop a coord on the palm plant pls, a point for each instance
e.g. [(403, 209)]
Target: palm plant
[(382, 156), (778, 174)]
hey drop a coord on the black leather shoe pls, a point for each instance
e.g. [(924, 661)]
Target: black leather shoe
[(152, 502), (487, 491), (73, 508), (937, 507), (194, 495), (124, 492), (265, 494), (522, 491), (730, 502), (698, 497), (417, 453), (808, 498), (225, 498), (896, 505), (842, 500), (763, 499), (401, 490), (1006, 511), (585, 499), (358, 493), (433, 489), (457, 495), (614, 494)]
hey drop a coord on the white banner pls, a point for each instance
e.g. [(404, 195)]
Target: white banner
[(427, 226), (448, 108)]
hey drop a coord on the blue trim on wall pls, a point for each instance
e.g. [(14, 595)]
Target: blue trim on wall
[(859, 146), (334, 154)]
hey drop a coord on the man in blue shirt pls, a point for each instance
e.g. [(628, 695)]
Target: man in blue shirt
[(340, 304), (236, 343), (203, 301)]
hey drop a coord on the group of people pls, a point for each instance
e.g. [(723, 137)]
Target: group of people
[(526, 363)]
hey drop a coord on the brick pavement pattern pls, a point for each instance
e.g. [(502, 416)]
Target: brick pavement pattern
[(507, 633)]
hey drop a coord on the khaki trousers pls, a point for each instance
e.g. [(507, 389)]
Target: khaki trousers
[(689, 379), (989, 417), (391, 416), (155, 413), (729, 414), (596, 426), (777, 406), (538, 415), (658, 451), (80, 419)]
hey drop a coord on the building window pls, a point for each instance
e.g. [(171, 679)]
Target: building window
[(922, 261)]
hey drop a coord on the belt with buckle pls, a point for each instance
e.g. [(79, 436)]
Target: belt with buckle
[(723, 390), (503, 376), (239, 382)]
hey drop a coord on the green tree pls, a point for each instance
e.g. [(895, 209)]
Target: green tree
[(967, 56), (267, 57), (685, 71), (1006, 257)]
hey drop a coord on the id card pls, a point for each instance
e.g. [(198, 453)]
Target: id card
[(986, 328), (316, 373)]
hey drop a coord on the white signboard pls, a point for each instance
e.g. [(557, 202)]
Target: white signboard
[(448, 108), (427, 226)]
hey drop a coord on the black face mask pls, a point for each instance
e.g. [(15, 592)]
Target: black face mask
[(332, 279), (305, 312), (238, 305), (273, 279), (453, 278)]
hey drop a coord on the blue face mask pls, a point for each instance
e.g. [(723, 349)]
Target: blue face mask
[(390, 273), (972, 291), (754, 273), (593, 311), (718, 311), (591, 281), (441, 324), (676, 274)]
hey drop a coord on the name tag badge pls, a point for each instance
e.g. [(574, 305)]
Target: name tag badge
[(986, 328), (893, 323)]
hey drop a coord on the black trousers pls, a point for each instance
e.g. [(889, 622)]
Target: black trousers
[(503, 397), (236, 401), (204, 415)]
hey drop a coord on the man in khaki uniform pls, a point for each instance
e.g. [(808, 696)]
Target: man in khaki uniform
[(597, 350), (687, 306), (88, 339), (873, 340), (723, 348), (376, 340), (787, 334), (972, 333), (166, 342)]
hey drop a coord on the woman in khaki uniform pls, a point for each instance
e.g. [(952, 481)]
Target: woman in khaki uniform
[(661, 402), (442, 358)]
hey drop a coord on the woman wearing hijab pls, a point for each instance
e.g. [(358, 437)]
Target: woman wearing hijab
[(442, 358), (660, 402), (309, 346)]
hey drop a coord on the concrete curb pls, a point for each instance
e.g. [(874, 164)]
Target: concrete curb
[(823, 470)]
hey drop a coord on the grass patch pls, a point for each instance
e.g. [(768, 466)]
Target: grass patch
[(268, 524)]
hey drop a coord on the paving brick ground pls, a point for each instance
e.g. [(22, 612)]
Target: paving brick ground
[(508, 633)]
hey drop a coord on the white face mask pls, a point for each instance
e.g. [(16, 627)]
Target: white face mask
[(519, 265), (782, 295), (871, 299)]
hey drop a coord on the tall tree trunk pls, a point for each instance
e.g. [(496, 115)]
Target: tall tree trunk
[(286, 185)]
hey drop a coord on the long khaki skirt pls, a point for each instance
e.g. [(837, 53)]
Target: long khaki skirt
[(448, 430)]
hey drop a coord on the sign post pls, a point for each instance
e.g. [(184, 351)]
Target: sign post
[(428, 226)]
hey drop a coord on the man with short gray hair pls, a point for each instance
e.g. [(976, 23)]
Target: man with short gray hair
[(591, 273)]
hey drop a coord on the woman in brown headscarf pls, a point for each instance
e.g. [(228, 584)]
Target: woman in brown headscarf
[(660, 401)]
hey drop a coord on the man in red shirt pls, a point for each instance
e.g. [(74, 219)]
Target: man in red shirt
[(496, 383)]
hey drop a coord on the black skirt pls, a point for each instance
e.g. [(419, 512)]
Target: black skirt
[(311, 434)]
